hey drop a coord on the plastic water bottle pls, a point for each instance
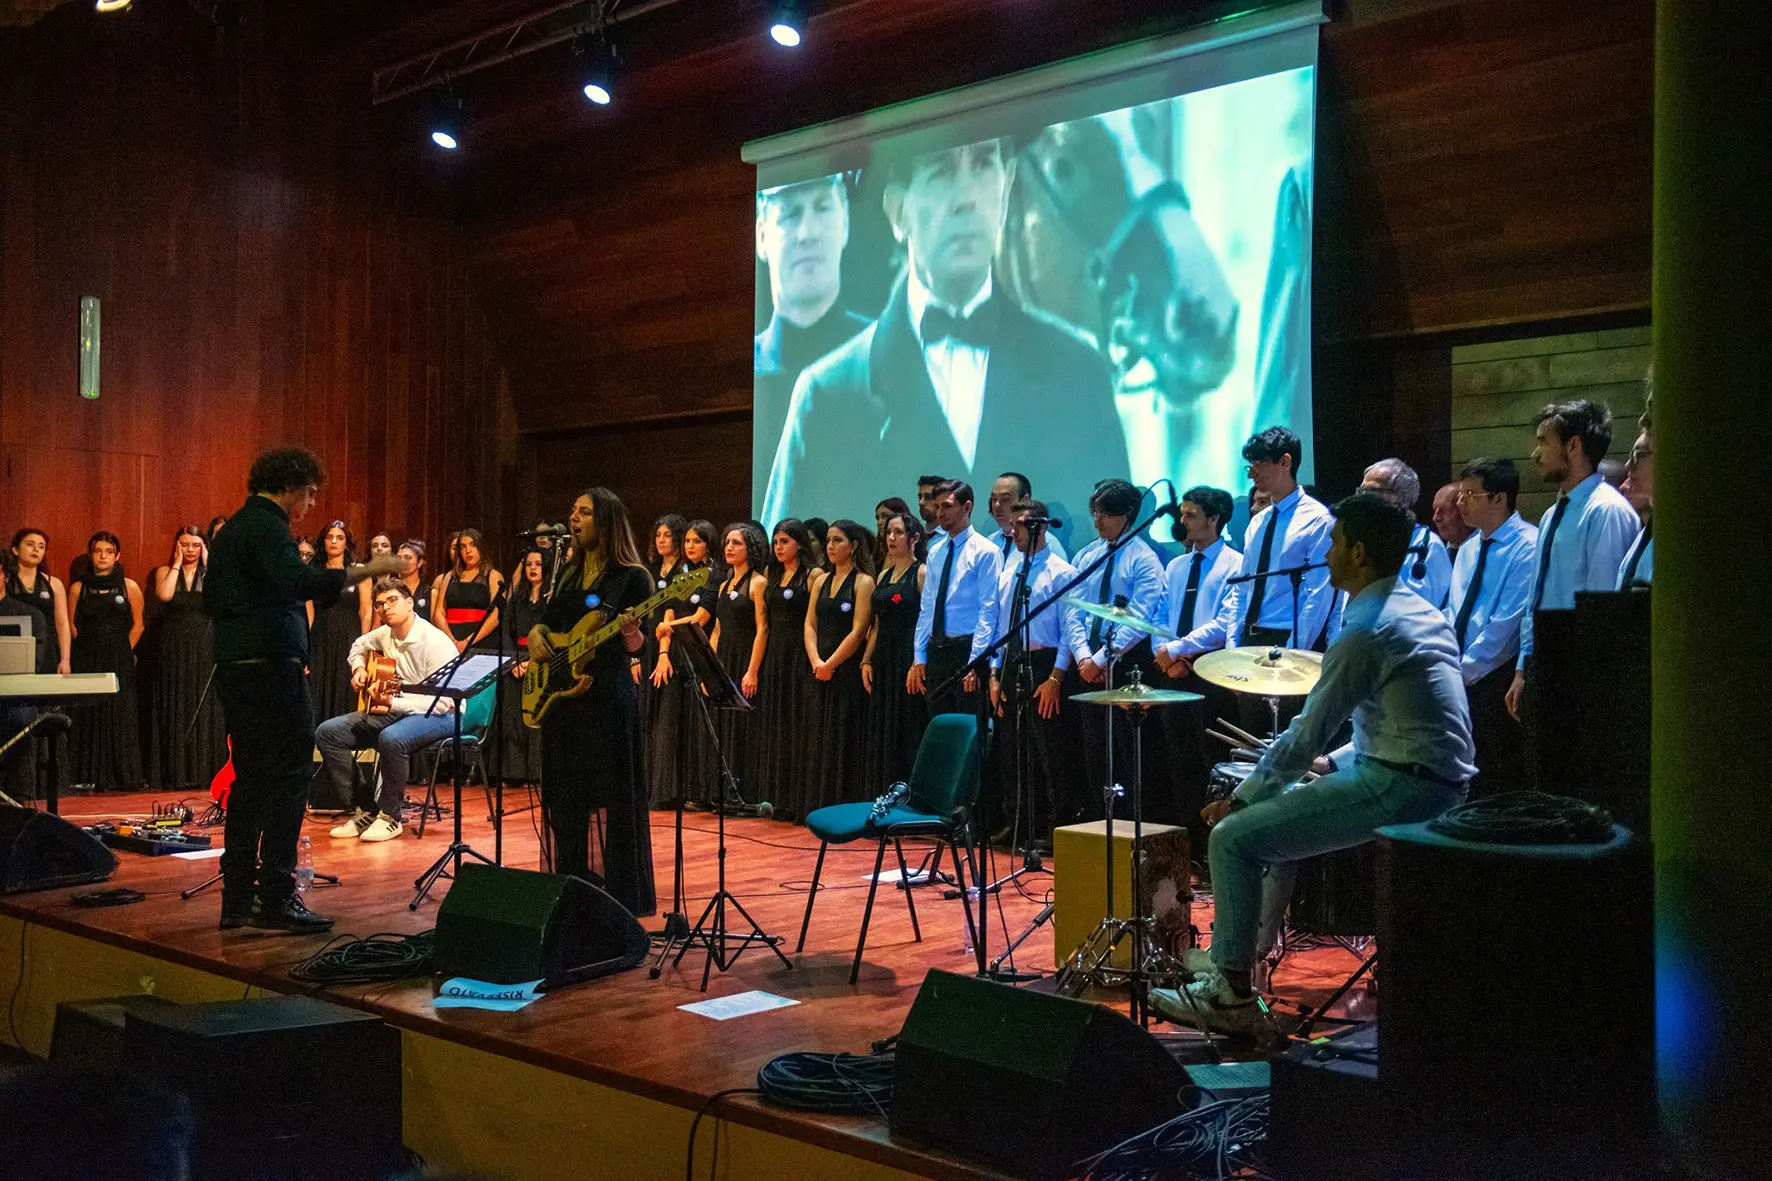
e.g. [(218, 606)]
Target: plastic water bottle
[(304, 865)]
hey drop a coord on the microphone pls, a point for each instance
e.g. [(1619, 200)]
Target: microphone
[(547, 531), (1050, 522), (1280, 572)]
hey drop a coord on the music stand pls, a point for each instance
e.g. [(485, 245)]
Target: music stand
[(468, 674), (708, 682)]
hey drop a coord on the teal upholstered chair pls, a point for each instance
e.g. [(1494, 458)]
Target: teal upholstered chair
[(942, 786)]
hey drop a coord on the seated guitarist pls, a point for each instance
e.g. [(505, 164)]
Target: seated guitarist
[(396, 724)]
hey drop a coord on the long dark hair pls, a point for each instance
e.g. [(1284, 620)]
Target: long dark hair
[(756, 549), (202, 565), (913, 528), (520, 589), (861, 543), (107, 535), (676, 523), (18, 539), (615, 536), (479, 543), (320, 543), (705, 531), (796, 529)]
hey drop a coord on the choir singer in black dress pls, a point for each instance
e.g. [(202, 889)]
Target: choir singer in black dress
[(593, 778)]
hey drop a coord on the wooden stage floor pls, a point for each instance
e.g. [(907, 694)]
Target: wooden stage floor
[(626, 1031)]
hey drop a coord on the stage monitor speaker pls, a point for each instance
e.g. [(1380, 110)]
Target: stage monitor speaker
[(1519, 1003), (281, 1087), (1025, 1080), (40, 851), (510, 926)]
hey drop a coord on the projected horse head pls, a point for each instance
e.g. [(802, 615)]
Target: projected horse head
[(1101, 235)]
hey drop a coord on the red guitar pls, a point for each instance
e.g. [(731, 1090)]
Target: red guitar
[(224, 779)]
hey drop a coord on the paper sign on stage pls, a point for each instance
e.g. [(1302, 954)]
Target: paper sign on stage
[(739, 1004), (459, 992)]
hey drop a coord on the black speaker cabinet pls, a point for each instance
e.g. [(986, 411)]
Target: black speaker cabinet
[(1517, 995), (39, 851), (281, 1088), (1026, 1080), (510, 926)]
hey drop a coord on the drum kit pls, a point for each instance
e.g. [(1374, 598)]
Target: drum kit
[(1271, 673)]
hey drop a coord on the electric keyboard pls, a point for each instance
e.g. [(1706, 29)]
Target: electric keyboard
[(54, 686)]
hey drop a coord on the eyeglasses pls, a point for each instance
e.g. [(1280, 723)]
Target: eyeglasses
[(388, 601), (1465, 494)]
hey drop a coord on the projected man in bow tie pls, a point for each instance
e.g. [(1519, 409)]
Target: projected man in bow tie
[(955, 376)]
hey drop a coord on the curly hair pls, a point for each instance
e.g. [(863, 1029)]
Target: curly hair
[(284, 470)]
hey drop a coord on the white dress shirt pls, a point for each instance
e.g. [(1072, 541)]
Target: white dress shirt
[(1211, 621), (1137, 575), (1492, 635), (1047, 575), (425, 649), (1394, 669), (1586, 551), (1010, 553), (972, 590), (1301, 537), (956, 369), (1645, 572), (1435, 583)]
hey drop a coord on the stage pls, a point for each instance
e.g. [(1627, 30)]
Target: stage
[(608, 1074)]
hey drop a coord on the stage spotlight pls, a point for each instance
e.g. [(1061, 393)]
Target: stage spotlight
[(787, 22), (445, 121), (597, 68), (112, 5)]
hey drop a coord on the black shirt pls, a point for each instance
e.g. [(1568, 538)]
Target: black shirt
[(257, 586)]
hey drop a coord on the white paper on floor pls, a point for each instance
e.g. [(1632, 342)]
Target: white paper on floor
[(739, 1004)]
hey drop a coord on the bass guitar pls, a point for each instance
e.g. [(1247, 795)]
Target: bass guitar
[(566, 673)]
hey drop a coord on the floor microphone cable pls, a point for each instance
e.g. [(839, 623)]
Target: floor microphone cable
[(375, 959)]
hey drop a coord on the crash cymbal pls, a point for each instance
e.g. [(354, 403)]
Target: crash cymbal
[(1261, 670), (1122, 617), (1137, 695)]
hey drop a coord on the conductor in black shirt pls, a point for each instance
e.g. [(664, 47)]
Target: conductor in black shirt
[(256, 590)]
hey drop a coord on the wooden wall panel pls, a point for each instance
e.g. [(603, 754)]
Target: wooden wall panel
[(266, 276)]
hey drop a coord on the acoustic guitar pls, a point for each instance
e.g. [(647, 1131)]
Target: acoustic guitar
[(566, 673), (377, 696)]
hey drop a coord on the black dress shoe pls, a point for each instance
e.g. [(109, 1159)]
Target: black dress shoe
[(235, 913), (286, 914)]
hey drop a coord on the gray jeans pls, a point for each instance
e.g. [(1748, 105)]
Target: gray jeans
[(396, 737), (1255, 851)]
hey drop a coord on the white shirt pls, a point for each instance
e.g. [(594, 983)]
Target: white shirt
[(1211, 621), (1137, 576), (1435, 583), (1492, 635), (1586, 552), (1394, 669), (1010, 553), (425, 649), (1048, 573), (1301, 537), (972, 590), (956, 369)]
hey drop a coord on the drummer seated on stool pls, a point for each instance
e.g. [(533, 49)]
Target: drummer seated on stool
[(409, 723), (1395, 669)]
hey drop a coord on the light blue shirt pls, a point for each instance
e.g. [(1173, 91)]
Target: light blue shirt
[(1492, 636), (1586, 552), (1009, 555), (1047, 575), (1435, 583), (972, 590), (1137, 575), (1645, 565), (1301, 537), (1394, 670), (1211, 623)]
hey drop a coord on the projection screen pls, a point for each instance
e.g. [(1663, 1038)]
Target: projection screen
[(1096, 269)]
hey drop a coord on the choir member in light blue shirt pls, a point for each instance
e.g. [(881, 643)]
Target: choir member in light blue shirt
[(1204, 623), (959, 599), (1639, 488), (1132, 573), (1427, 569), (1584, 536), (1394, 671), (1292, 531), (1010, 489)]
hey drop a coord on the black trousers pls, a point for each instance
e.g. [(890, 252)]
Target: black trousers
[(1043, 782), (1500, 741), (270, 720), (1089, 726), (947, 657), (1176, 787)]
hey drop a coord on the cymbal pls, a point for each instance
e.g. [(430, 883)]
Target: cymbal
[(1137, 695), (1262, 671), (1122, 617)]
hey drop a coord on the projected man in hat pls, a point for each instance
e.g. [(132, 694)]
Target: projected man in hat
[(955, 376)]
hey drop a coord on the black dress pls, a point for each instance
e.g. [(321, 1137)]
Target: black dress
[(181, 657), (676, 738), (895, 718), (106, 741), (784, 688), (421, 599), (466, 605), (839, 706), (736, 617), (40, 596), (593, 782), (336, 627), (518, 745)]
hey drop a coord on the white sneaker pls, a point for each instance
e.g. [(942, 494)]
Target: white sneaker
[(1210, 1004), (1198, 962), (382, 828), (353, 825)]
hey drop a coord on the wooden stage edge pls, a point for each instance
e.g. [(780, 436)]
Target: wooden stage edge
[(609, 1072)]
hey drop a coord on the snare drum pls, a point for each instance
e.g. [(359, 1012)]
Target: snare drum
[(1226, 778)]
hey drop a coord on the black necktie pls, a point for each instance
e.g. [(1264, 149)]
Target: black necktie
[(1103, 595), (1471, 592), (939, 324), (1636, 553), (1008, 543), (1544, 550), (1017, 613), (1252, 617), (1184, 623), (940, 631)]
